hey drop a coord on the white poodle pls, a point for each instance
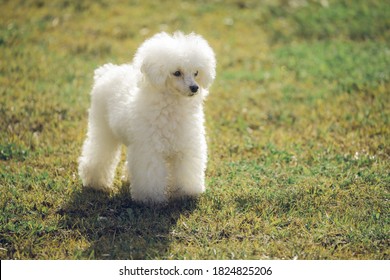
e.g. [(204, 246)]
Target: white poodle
[(154, 107)]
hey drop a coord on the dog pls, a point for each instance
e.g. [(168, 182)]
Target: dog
[(154, 106)]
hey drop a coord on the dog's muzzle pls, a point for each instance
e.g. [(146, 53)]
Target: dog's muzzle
[(194, 88)]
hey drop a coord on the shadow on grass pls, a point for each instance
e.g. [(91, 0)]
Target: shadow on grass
[(118, 228)]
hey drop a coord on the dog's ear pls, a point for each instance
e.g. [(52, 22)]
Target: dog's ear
[(154, 73), (207, 76), (205, 58)]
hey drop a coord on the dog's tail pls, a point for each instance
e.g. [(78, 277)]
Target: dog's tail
[(99, 72)]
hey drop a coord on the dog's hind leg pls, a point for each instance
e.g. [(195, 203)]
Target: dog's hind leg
[(99, 158)]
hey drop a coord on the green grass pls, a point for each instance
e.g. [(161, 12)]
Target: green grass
[(297, 121)]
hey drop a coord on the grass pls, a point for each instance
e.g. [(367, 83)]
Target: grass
[(297, 121)]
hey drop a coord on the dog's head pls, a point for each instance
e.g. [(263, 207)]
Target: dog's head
[(183, 64)]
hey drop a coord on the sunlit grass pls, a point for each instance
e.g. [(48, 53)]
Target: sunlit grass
[(297, 122)]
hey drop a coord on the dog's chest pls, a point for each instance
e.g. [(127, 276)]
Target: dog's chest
[(170, 127)]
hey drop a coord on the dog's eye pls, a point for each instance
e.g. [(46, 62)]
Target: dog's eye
[(196, 73), (177, 74)]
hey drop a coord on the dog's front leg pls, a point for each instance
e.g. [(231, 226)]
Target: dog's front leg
[(188, 174), (149, 175)]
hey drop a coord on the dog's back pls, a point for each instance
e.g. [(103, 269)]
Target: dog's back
[(102, 70)]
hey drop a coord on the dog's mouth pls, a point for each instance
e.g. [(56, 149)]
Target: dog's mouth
[(189, 94), (193, 92)]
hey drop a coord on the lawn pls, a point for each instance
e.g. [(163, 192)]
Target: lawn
[(297, 123)]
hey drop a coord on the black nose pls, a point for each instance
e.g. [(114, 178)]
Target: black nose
[(194, 88)]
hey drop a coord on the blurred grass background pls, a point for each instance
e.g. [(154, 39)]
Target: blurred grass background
[(297, 122)]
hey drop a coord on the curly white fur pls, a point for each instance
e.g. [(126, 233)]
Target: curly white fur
[(155, 107)]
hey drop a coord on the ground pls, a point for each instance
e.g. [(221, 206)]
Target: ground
[(297, 124)]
